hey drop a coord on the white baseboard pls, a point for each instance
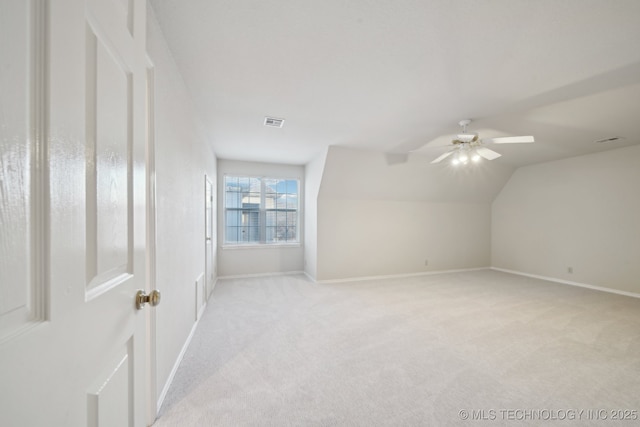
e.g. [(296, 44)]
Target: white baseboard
[(213, 286), (249, 276), (165, 389), (201, 309), (397, 276), (313, 279), (569, 282)]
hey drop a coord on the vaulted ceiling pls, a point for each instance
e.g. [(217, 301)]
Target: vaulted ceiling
[(397, 76)]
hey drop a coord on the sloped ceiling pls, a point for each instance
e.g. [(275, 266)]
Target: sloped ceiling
[(397, 76), (367, 175)]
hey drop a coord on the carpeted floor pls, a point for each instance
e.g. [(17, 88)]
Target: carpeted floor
[(476, 349)]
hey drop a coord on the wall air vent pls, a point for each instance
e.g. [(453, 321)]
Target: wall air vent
[(608, 140), (273, 122)]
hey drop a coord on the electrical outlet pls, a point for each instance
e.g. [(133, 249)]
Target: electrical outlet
[(570, 270)]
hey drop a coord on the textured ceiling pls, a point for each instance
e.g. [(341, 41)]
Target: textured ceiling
[(398, 76)]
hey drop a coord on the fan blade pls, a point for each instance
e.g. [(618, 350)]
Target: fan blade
[(442, 157), (509, 140), (487, 154)]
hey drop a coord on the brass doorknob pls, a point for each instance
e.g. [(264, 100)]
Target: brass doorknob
[(142, 299)]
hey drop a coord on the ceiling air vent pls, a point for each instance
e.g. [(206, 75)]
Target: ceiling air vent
[(273, 122), (608, 140)]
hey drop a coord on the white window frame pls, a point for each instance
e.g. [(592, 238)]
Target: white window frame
[(262, 216)]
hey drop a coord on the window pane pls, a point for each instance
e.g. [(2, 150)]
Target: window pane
[(233, 200), (270, 200), (250, 218), (292, 201), (248, 234), (292, 219), (271, 235), (243, 183), (232, 222), (271, 184), (251, 201), (277, 216), (292, 186), (233, 218), (291, 233), (271, 218), (254, 185), (277, 201), (231, 234), (231, 183), (254, 234), (243, 235)]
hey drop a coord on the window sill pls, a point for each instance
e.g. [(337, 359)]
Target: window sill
[(261, 246)]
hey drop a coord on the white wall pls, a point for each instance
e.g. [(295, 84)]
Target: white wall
[(313, 180), (376, 218), (582, 212), (265, 259), (361, 238), (183, 157)]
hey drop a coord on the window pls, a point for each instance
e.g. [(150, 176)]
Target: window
[(260, 210)]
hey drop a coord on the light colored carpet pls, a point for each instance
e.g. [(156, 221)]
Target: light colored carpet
[(510, 350)]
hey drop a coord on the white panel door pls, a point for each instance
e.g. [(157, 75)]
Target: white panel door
[(72, 213), (209, 239)]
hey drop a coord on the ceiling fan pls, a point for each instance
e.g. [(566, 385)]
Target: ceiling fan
[(467, 147)]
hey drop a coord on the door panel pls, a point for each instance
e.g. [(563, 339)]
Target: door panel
[(109, 97), (75, 187), (22, 301), (110, 401)]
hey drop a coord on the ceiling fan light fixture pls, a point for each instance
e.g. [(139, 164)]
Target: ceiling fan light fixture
[(468, 147), (467, 137)]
